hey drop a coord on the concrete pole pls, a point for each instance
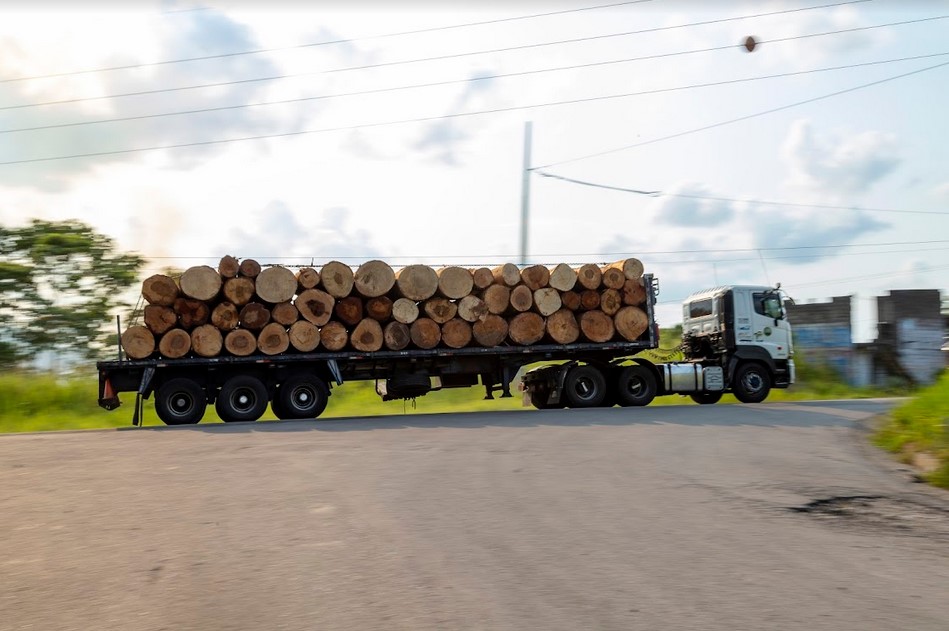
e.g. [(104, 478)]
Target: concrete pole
[(526, 190)]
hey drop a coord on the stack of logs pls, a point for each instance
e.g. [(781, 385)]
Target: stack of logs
[(240, 309)]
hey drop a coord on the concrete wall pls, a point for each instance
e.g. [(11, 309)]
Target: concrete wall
[(822, 334), (912, 327)]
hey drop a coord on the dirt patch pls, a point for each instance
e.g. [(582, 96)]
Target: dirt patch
[(879, 513)]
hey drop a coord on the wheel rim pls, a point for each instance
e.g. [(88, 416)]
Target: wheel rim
[(303, 397), (752, 382), (181, 404), (243, 400), (585, 388), (635, 386)]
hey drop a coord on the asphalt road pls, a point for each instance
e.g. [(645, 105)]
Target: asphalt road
[(772, 516)]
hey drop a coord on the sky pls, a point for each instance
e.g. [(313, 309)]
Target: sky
[(299, 133)]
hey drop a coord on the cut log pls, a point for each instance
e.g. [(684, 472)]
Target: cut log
[(160, 290), (405, 311), (596, 326), (589, 276), (535, 277), (562, 327), (374, 278), (240, 342), (228, 267), (159, 319), (613, 278), (225, 316), (304, 336), (367, 336), (507, 275), (276, 284), (570, 300), (138, 342), (482, 278), (201, 282), (191, 312), (610, 301), (547, 301), (471, 308), (315, 305), (416, 282), (254, 316), (526, 329), (563, 278), (631, 322), (396, 336), (174, 344), (349, 310), (333, 336), (249, 268), (634, 292), (631, 268), (273, 339), (456, 333), (522, 298), (441, 310), (490, 331), (239, 290), (425, 333), (497, 298), (307, 278), (207, 341), (337, 279), (454, 282), (589, 299), (379, 308), (285, 313)]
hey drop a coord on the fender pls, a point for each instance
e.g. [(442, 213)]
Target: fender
[(750, 353)]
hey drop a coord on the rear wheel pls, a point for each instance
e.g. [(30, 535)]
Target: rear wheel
[(635, 386), (242, 398), (752, 383), (301, 396), (180, 401), (584, 387), (706, 398)]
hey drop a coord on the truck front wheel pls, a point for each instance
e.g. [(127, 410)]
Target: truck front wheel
[(180, 401), (635, 386), (585, 387), (752, 383), (242, 398), (706, 398), (301, 396)]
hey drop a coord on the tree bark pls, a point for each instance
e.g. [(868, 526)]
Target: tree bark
[(563, 277), (482, 278), (547, 301), (631, 268), (454, 282), (374, 278), (254, 316), (596, 326), (159, 319), (396, 336), (535, 277), (337, 279), (239, 290), (138, 342), (191, 312), (405, 311), (201, 282), (207, 341), (316, 306), (249, 268), (589, 299), (160, 290), (416, 282), (570, 300), (508, 275), (522, 298), (333, 336), (174, 344), (228, 267), (349, 310), (307, 278), (425, 333), (610, 301), (273, 339), (304, 336), (456, 333), (379, 308), (634, 292), (225, 316), (285, 313), (562, 327), (471, 308), (497, 298), (526, 328), (491, 331), (276, 284), (631, 322), (589, 276), (240, 342), (613, 278), (441, 310), (367, 336)]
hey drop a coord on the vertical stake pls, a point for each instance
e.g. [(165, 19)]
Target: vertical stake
[(526, 189)]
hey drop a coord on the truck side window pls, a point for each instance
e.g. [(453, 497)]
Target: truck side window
[(769, 305), (700, 308)]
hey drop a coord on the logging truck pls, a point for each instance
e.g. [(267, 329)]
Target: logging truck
[(411, 332)]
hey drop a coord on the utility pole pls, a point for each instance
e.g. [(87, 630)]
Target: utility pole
[(526, 190)]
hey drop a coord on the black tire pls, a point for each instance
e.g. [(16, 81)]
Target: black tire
[(301, 396), (751, 383), (584, 387), (635, 386), (180, 401), (242, 398), (706, 398), (539, 400)]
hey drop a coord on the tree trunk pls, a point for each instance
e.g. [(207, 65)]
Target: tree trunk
[(632, 268), (562, 327), (405, 311), (373, 279), (610, 301), (396, 336), (526, 328), (315, 305), (249, 268), (273, 339), (254, 316), (425, 333), (547, 301), (207, 341), (522, 298), (307, 278), (285, 313), (379, 308), (631, 322), (191, 312), (337, 279), (454, 282), (239, 290), (589, 276), (570, 300), (491, 331), (349, 310), (160, 319), (333, 336), (228, 267), (416, 282), (456, 333), (563, 278), (613, 278), (497, 298), (441, 310), (482, 278), (634, 292), (240, 342), (596, 326), (160, 290), (367, 336), (276, 284), (589, 299), (304, 336), (174, 344), (471, 308), (226, 316), (201, 282), (535, 277), (508, 275), (138, 342)]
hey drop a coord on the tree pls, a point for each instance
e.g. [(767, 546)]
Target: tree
[(60, 283)]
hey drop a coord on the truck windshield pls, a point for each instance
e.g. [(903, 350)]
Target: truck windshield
[(768, 304)]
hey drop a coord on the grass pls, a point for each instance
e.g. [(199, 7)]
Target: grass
[(921, 426)]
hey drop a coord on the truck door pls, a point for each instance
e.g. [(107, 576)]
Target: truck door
[(769, 325)]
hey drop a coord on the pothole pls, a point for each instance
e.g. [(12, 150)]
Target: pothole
[(877, 512)]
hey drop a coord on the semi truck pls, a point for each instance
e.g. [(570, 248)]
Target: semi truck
[(735, 339)]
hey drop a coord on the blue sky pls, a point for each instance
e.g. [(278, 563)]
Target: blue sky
[(838, 112)]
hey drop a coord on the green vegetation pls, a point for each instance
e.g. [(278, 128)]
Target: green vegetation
[(921, 426)]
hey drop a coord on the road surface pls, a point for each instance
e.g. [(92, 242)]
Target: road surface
[(772, 516)]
